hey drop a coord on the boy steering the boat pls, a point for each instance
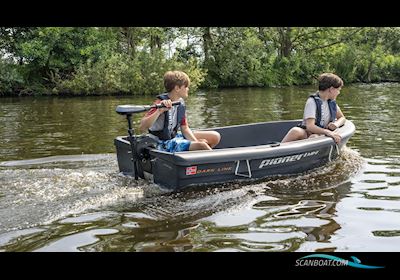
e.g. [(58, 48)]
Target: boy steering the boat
[(163, 124)]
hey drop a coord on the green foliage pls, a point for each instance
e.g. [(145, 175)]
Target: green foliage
[(237, 59), (133, 60), (60, 50), (10, 79), (344, 62), (388, 68), (101, 77), (120, 73)]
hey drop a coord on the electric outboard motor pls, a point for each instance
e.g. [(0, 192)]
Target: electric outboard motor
[(143, 144), (133, 151)]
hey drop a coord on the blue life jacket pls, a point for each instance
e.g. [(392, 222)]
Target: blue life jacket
[(332, 109), (165, 134)]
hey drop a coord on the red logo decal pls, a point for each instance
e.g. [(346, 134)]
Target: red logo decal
[(191, 170)]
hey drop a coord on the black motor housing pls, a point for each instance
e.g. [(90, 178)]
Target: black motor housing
[(124, 155)]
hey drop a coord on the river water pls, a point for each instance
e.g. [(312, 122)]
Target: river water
[(60, 189)]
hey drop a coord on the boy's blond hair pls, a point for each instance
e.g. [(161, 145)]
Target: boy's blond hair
[(175, 78)]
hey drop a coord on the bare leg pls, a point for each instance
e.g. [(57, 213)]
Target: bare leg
[(212, 137), (196, 145), (314, 135), (296, 133)]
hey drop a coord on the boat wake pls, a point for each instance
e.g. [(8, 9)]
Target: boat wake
[(38, 192), (198, 203)]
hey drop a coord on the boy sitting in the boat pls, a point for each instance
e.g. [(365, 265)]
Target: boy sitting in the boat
[(321, 113), (163, 123)]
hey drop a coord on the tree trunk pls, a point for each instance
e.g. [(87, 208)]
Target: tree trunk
[(207, 42), (130, 43), (285, 41), (372, 60), (155, 43), (369, 71)]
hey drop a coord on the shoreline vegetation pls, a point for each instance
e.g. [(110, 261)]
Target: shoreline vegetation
[(84, 61), (120, 94)]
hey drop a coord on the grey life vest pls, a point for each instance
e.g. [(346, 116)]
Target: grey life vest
[(332, 109), (168, 133)]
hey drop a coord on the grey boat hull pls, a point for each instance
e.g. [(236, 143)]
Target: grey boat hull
[(246, 152)]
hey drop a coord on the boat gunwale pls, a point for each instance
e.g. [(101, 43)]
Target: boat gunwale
[(251, 152), (254, 152)]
